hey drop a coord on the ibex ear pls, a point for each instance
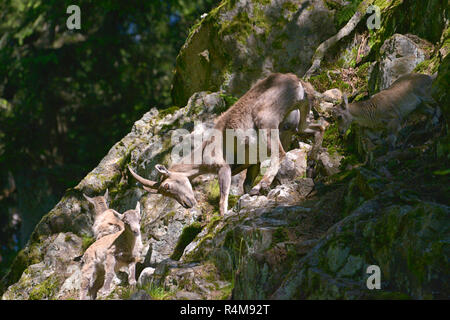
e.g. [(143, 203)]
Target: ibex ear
[(88, 199), (162, 169), (118, 215), (345, 101), (138, 209), (106, 196)]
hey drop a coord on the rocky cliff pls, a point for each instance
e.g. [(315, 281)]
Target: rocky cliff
[(326, 219)]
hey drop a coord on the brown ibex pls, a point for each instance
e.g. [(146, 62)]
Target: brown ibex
[(106, 220), (104, 258), (264, 106), (388, 108)]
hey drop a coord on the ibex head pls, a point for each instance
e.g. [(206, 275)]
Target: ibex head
[(343, 116), (100, 203), (132, 219), (175, 185)]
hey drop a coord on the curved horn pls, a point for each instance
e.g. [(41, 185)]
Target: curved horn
[(88, 198), (145, 182)]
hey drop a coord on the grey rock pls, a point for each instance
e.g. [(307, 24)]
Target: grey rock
[(271, 38), (328, 163), (146, 276), (399, 56), (140, 295), (184, 295), (334, 94), (293, 166), (247, 202)]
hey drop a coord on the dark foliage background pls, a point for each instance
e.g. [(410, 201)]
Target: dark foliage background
[(67, 96)]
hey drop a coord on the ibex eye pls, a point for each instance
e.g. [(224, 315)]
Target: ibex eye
[(167, 186)]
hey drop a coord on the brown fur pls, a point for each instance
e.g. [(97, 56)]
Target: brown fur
[(106, 220), (388, 108), (264, 106), (103, 259)]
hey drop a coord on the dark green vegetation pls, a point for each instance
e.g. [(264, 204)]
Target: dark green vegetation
[(67, 96), (186, 237)]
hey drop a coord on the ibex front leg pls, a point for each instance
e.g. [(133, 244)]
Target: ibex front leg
[(273, 142), (224, 185)]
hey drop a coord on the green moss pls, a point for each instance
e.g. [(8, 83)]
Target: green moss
[(165, 112), (344, 13), (46, 289), (279, 235), (124, 293), (187, 235), (263, 2), (86, 242), (289, 6), (240, 27), (26, 257), (232, 200), (229, 101), (213, 193), (167, 127), (260, 20), (199, 253), (332, 140), (440, 88), (156, 292), (322, 82), (226, 292), (429, 66), (278, 44)]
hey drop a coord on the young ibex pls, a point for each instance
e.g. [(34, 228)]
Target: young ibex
[(104, 258), (264, 106), (388, 108), (106, 220)]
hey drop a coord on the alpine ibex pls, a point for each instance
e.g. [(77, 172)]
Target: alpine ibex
[(388, 108), (264, 106), (106, 220), (104, 258)]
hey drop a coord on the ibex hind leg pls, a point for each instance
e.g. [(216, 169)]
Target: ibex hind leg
[(275, 159), (250, 177), (92, 280), (431, 107), (393, 129), (110, 265)]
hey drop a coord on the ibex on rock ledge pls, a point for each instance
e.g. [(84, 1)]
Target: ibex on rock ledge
[(264, 106), (388, 108), (107, 255), (106, 221)]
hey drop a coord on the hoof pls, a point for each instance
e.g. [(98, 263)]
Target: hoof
[(254, 191)]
